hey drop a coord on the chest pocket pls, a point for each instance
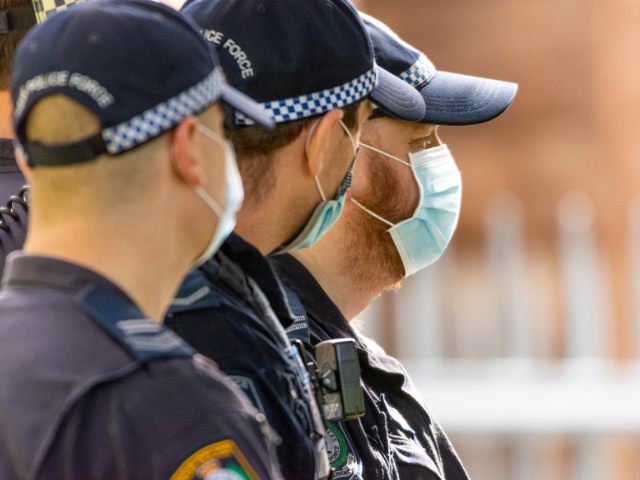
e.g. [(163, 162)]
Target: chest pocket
[(412, 459)]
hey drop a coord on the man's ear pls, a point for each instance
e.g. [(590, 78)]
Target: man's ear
[(320, 140), (184, 158)]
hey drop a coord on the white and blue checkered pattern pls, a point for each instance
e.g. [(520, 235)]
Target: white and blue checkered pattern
[(319, 102), (420, 72), (166, 115)]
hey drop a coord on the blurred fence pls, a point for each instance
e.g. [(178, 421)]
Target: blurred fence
[(514, 350)]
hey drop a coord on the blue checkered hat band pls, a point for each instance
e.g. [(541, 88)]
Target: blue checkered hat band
[(317, 103), (166, 115), (420, 72), (46, 8)]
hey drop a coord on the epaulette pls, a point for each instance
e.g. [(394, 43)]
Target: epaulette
[(143, 338), (196, 292)]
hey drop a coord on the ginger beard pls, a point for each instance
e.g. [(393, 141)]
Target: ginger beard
[(372, 259)]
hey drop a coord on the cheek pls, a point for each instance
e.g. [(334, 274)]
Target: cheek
[(360, 181), (411, 185), (406, 185)]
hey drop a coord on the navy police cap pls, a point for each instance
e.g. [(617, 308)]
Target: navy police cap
[(139, 66), (449, 98), (300, 58)]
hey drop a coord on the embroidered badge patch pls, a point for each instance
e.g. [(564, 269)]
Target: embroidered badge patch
[(218, 461), (336, 446), (345, 461)]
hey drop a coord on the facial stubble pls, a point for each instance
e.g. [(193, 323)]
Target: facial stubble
[(372, 259)]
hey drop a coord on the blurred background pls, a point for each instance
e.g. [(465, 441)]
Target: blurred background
[(524, 338)]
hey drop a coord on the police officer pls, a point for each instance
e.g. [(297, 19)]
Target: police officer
[(404, 210), (16, 18), (313, 70), (132, 182)]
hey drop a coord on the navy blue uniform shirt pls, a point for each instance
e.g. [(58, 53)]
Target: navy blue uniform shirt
[(397, 438), (90, 388), (13, 228), (221, 324)]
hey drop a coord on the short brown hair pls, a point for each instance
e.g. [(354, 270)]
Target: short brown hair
[(101, 185), (255, 147), (9, 42)]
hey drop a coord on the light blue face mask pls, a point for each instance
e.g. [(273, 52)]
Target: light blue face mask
[(327, 213), (235, 196), (421, 239)]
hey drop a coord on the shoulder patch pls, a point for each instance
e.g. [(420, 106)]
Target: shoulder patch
[(218, 461), (345, 460), (195, 293), (144, 339)]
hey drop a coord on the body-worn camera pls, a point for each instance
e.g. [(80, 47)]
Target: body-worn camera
[(339, 379), (335, 376)]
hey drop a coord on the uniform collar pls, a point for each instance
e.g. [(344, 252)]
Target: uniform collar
[(319, 307), (322, 312), (24, 270), (101, 300), (255, 265)]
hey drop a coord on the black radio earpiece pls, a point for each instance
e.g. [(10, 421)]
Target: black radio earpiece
[(10, 211)]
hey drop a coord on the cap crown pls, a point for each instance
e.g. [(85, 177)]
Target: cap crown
[(285, 49), (397, 56), (120, 59)]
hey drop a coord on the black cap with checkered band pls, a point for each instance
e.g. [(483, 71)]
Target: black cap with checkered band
[(139, 66), (300, 59), (449, 98)]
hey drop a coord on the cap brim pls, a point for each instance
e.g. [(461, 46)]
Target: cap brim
[(453, 99), (248, 106), (397, 97)]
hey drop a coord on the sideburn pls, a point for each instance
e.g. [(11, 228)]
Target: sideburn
[(258, 177)]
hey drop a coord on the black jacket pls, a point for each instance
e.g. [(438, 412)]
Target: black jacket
[(90, 388), (223, 323), (397, 438)]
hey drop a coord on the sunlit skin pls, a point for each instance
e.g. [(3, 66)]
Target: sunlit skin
[(144, 246), (326, 259), (6, 108), (398, 139), (286, 208)]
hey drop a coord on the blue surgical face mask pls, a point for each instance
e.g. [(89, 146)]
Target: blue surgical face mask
[(235, 196), (327, 213), (421, 239)]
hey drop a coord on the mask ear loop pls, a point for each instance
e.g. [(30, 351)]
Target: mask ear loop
[(201, 192), (353, 142), (213, 136), (371, 213), (385, 154), (306, 151), (362, 206)]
